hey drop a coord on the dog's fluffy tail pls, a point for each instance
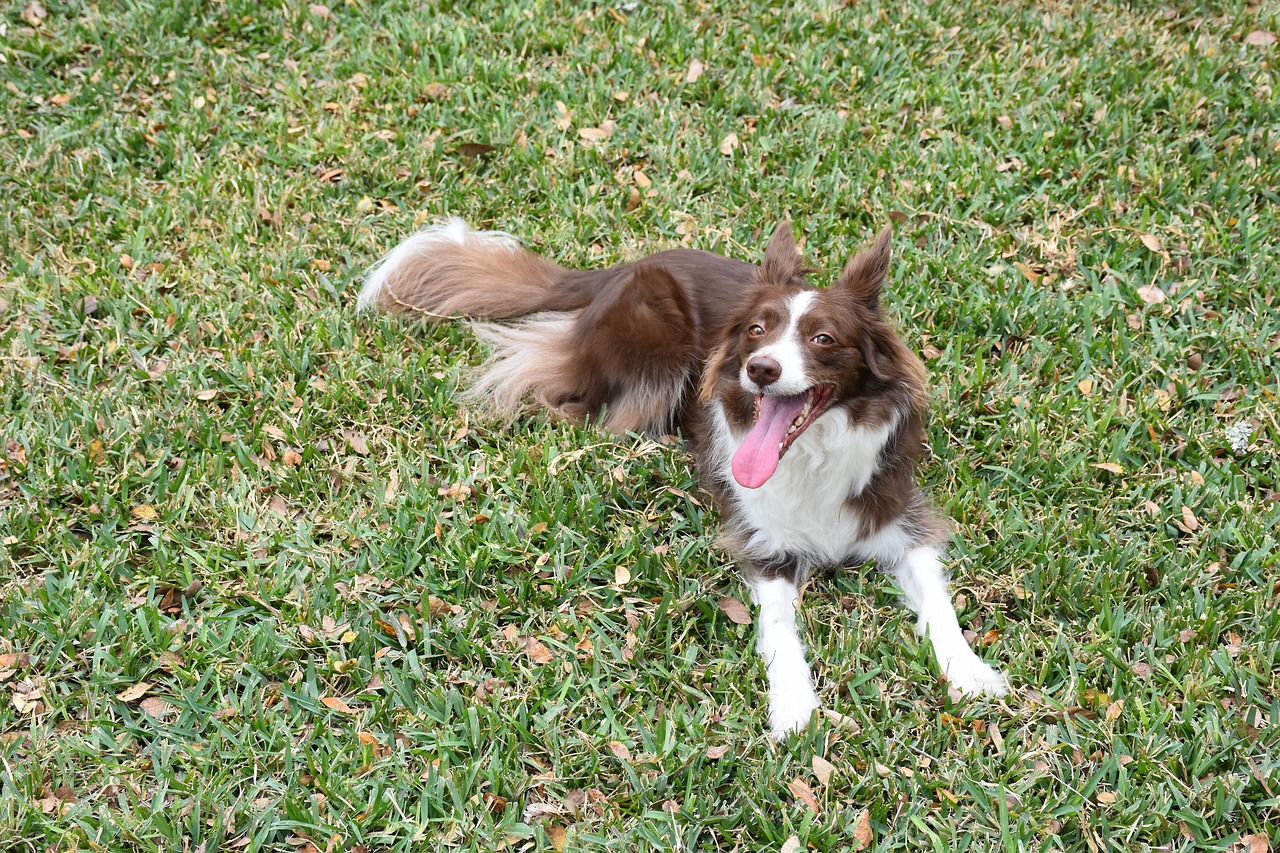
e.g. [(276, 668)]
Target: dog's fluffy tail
[(628, 358), (449, 269)]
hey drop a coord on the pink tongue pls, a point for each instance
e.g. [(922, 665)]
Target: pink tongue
[(757, 457)]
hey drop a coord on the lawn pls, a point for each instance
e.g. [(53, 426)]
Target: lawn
[(266, 583)]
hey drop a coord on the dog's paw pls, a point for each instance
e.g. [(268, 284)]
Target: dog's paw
[(974, 677), (791, 713)]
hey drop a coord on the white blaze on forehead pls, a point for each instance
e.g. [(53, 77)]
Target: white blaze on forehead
[(787, 350)]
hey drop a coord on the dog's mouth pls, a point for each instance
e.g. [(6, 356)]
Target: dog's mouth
[(779, 421)]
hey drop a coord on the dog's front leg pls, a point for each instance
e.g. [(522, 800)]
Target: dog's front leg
[(920, 576), (792, 699)]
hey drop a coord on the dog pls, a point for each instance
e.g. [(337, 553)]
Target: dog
[(803, 409)]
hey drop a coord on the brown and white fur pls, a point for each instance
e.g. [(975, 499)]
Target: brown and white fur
[(803, 408)]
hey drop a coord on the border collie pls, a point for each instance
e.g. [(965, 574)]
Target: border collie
[(804, 410)]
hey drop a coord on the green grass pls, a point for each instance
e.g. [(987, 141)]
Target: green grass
[(207, 415)]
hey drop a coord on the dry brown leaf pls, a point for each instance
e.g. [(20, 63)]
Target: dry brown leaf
[(357, 441), (321, 11), (803, 793), (735, 610), (1152, 294), (15, 660), (716, 752), (1152, 242), (559, 837), (620, 750), (153, 706), (862, 835), (597, 134), (292, 458), (1106, 797), (1260, 38), (333, 703), (1029, 273), (1189, 519), (729, 144), (1114, 710), (34, 13), (694, 72), (564, 118), (537, 652), (791, 845), (823, 769), (436, 91), (621, 575), (145, 512), (367, 738), (134, 693), (1256, 843), (1085, 386), (1109, 466)]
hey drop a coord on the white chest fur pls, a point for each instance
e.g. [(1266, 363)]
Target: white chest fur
[(802, 509)]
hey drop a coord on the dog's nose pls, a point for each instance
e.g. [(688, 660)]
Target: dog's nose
[(763, 370)]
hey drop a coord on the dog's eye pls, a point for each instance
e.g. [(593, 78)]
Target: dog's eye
[(823, 340), (755, 330)]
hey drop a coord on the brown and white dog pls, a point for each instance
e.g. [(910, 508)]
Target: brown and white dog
[(803, 408)]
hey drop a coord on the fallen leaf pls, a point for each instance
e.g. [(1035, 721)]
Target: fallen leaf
[(34, 13), (823, 769), (154, 706), (735, 610), (1114, 710), (358, 442), (621, 575), (694, 72), (1109, 466), (333, 703), (557, 835), (1152, 294), (564, 118), (802, 792), (144, 512), (1085, 386), (15, 660), (714, 753), (620, 750), (1152, 242), (537, 652), (436, 91), (1189, 519), (862, 835), (791, 845), (1260, 38), (729, 144), (1106, 797), (1258, 842), (1029, 273), (320, 11), (597, 134), (134, 693)]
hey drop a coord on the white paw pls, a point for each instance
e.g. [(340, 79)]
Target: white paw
[(972, 676), (790, 713)]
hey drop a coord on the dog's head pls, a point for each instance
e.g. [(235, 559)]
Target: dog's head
[(792, 352)]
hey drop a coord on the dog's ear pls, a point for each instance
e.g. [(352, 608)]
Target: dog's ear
[(865, 275), (782, 262)]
